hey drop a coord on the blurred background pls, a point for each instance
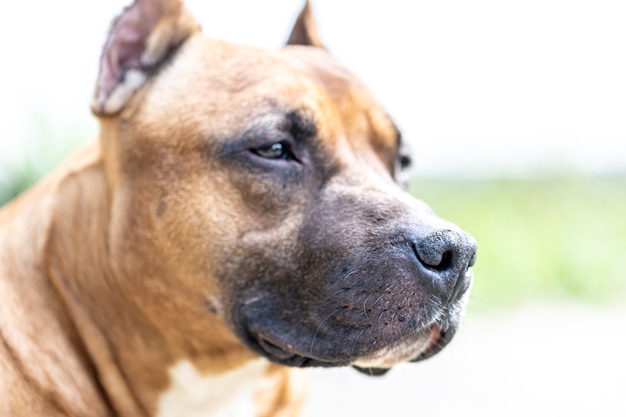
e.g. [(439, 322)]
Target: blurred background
[(516, 113)]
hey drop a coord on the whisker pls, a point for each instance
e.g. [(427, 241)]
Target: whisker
[(364, 306), (379, 318), (319, 327), (349, 274), (383, 327), (354, 344), (377, 300), (393, 316), (328, 297)]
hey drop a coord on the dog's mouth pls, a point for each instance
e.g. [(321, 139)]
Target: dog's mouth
[(413, 348), (430, 342), (285, 353)]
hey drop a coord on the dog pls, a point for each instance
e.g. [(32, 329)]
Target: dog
[(241, 216)]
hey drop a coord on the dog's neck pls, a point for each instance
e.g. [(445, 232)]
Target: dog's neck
[(133, 335)]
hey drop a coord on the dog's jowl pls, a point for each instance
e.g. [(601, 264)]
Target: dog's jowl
[(239, 217)]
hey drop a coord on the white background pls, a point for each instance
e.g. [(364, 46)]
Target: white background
[(480, 88)]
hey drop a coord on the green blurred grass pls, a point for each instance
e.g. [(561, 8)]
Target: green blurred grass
[(47, 149), (539, 239)]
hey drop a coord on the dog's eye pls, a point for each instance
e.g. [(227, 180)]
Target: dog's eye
[(405, 162), (403, 165), (277, 150)]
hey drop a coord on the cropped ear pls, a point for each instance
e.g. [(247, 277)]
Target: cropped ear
[(304, 31), (140, 39)]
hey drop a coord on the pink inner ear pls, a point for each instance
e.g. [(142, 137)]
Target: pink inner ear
[(126, 44)]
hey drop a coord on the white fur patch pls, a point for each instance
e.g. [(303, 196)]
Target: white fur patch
[(230, 394), (133, 79)]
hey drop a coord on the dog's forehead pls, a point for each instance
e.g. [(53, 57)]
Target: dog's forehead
[(292, 79)]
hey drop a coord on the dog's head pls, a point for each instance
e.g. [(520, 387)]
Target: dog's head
[(268, 186)]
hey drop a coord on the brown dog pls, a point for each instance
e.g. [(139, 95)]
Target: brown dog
[(239, 217)]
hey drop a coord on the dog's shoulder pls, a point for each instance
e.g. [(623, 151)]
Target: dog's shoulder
[(41, 365)]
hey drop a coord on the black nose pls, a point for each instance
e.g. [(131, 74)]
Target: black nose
[(446, 255)]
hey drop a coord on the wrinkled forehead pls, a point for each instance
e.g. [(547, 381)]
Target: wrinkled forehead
[(228, 85)]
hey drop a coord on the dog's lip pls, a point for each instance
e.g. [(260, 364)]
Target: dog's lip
[(439, 338), (287, 354), (436, 341), (276, 351), (432, 340), (283, 352), (435, 335)]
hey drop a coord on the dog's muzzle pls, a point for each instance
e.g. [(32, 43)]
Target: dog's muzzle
[(400, 300)]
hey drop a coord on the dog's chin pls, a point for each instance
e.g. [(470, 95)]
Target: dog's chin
[(430, 342), (413, 348)]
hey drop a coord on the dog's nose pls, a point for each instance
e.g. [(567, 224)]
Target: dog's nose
[(447, 255)]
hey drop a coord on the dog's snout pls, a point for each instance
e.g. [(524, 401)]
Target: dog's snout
[(446, 256)]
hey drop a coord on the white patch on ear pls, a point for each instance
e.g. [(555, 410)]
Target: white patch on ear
[(230, 394), (133, 80)]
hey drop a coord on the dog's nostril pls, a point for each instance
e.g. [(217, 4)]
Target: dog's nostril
[(446, 250), (444, 264)]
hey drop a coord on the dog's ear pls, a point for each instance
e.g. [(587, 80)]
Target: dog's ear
[(140, 39), (304, 31)]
